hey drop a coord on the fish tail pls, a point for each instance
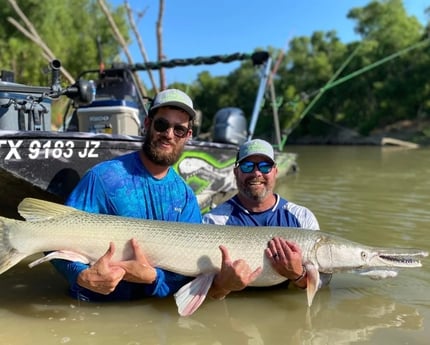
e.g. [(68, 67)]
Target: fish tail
[(9, 256)]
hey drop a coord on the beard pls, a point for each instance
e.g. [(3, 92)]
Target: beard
[(158, 155), (253, 192)]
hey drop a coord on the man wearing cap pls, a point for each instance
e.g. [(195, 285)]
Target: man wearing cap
[(256, 204), (143, 185)]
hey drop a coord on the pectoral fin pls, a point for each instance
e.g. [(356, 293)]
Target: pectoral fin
[(313, 279), (189, 297), (61, 254)]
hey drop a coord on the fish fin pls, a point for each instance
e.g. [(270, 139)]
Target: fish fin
[(313, 278), (35, 209), (189, 297), (60, 254), (9, 255)]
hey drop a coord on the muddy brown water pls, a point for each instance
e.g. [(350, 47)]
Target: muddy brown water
[(373, 195)]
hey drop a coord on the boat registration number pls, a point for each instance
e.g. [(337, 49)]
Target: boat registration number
[(37, 149)]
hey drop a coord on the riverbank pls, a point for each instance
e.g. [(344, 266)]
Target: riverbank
[(406, 133)]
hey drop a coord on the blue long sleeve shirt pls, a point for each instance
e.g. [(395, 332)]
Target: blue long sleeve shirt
[(124, 187)]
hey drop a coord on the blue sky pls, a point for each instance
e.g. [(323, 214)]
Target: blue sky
[(194, 28)]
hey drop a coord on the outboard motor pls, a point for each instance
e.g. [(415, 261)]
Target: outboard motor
[(230, 126)]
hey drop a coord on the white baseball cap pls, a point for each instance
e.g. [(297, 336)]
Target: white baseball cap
[(173, 97), (255, 147)]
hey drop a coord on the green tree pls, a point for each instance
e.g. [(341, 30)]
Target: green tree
[(386, 28), (392, 91), (309, 64), (69, 28)]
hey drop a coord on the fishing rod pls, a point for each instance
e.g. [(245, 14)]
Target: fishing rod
[(332, 82)]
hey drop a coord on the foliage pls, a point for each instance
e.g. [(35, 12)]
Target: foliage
[(395, 90), (70, 28), (380, 94)]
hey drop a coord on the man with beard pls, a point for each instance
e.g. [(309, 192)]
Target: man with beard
[(256, 204), (143, 185)]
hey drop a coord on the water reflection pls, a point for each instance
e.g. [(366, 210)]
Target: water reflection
[(236, 322), (352, 309)]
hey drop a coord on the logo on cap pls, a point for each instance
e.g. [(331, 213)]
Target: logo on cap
[(173, 97), (256, 147)]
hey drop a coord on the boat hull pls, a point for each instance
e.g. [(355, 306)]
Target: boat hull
[(48, 165)]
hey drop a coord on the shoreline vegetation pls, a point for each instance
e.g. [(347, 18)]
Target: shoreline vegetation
[(407, 133)]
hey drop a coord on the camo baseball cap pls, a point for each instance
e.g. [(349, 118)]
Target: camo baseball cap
[(173, 97), (255, 147)]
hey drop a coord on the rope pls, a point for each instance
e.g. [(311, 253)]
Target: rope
[(332, 83), (200, 60)]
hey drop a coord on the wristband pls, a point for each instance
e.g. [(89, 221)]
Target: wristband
[(300, 277)]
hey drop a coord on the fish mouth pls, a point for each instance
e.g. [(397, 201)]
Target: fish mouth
[(400, 258)]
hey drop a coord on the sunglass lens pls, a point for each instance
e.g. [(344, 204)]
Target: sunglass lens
[(264, 167), (246, 167), (161, 125), (180, 131)]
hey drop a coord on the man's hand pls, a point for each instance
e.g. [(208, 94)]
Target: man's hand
[(102, 277), (286, 257), (138, 270), (234, 276)]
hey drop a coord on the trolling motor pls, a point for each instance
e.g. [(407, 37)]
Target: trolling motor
[(82, 92)]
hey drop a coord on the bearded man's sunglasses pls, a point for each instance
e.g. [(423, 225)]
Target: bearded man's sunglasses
[(161, 125)]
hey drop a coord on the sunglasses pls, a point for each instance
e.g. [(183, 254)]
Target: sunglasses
[(264, 167), (161, 125)]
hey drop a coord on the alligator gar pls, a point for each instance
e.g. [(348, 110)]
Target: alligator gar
[(188, 249)]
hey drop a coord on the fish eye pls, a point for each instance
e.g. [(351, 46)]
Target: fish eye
[(364, 255)]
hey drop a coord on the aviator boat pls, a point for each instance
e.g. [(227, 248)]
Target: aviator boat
[(36, 161)]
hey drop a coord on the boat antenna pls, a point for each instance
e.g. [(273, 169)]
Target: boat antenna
[(263, 60)]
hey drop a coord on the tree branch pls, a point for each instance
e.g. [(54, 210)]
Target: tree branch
[(32, 34), (140, 43), (160, 43), (120, 39)]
